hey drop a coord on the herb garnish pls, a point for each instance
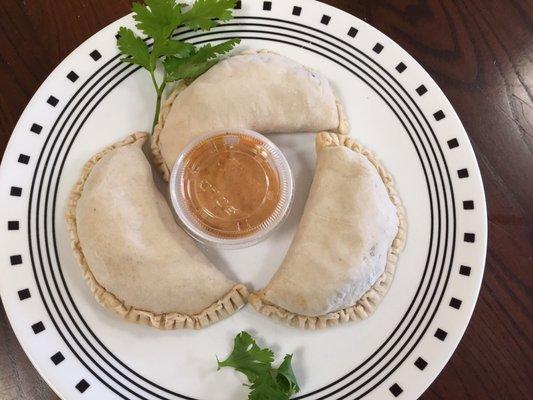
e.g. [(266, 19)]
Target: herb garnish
[(266, 382), (177, 59)]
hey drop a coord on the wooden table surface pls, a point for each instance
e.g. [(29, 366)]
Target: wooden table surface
[(480, 53)]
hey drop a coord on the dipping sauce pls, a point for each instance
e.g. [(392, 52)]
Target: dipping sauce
[(231, 186)]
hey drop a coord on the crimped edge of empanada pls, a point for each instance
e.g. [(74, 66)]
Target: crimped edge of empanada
[(222, 308), (155, 146), (370, 300)]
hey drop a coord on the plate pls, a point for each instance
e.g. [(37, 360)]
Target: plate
[(396, 110)]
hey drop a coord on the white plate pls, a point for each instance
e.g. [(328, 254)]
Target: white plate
[(396, 110)]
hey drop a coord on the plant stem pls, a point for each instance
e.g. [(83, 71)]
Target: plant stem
[(159, 90)]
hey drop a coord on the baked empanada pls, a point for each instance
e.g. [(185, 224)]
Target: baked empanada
[(262, 91), (343, 256), (137, 261)]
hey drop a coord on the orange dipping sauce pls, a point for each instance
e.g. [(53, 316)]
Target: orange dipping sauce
[(230, 185)]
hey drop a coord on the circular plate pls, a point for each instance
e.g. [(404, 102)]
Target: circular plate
[(396, 110)]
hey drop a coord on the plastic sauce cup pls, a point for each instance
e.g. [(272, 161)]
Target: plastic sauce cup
[(232, 188)]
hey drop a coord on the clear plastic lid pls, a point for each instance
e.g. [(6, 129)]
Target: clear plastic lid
[(231, 188)]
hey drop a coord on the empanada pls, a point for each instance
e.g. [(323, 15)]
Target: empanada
[(262, 91), (343, 256), (137, 261)]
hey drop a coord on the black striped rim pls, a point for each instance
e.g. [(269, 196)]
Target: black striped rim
[(128, 69)]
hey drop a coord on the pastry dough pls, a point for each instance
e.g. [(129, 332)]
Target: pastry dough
[(343, 256), (262, 91), (136, 259)]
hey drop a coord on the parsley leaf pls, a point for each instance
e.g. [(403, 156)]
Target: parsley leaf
[(133, 48), (158, 18), (178, 60), (248, 358), (176, 48), (203, 13), (265, 388), (285, 376), (197, 63), (266, 382), (178, 68)]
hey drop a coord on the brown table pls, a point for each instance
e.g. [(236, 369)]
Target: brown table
[(479, 52)]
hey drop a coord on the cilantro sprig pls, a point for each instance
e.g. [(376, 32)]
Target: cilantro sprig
[(265, 381), (176, 59)]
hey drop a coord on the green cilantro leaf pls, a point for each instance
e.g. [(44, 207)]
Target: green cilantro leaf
[(178, 68), (265, 388), (133, 48), (176, 48), (248, 358), (204, 13), (158, 18), (285, 376), (208, 52), (266, 382), (197, 63), (180, 60)]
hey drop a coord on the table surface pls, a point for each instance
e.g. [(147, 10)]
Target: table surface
[(480, 53)]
